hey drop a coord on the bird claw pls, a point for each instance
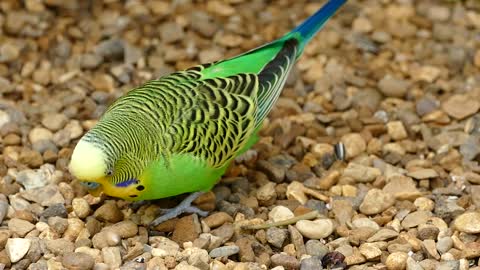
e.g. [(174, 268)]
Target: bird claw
[(184, 207)]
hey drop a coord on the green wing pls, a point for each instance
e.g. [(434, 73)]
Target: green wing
[(231, 109), (211, 117)]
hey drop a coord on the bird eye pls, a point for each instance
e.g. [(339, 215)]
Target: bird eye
[(90, 185), (109, 172)]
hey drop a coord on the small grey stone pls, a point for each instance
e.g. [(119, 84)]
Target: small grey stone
[(112, 49), (312, 263), (171, 32), (58, 224), (55, 210), (444, 244), (316, 248), (448, 265), (276, 236), (91, 60), (224, 251), (393, 87), (3, 210)]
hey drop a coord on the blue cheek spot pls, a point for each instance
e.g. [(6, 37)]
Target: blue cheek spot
[(127, 183), (90, 185)]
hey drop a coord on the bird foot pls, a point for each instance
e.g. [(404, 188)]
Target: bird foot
[(184, 207)]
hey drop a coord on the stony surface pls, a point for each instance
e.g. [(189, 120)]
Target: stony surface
[(395, 81)]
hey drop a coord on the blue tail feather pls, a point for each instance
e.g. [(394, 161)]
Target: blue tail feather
[(315, 22)]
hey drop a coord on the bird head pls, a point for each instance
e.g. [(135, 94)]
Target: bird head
[(91, 165)]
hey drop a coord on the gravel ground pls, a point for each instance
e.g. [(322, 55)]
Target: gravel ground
[(397, 82)]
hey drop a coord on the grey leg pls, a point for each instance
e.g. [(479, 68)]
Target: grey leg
[(184, 207)]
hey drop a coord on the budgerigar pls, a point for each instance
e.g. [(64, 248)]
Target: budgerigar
[(179, 133)]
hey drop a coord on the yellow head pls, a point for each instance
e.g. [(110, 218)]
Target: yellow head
[(90, 165)]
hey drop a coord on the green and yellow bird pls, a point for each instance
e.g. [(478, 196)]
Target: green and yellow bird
[(179, 133)]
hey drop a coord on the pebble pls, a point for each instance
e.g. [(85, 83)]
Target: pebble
[(245, 253), (460, 106), (370, 251), (361, 173), (186, 229), (3, 210), (55, 210), (365, 223), (426, 231), (20, 227), (164, 247), (376, 201), (312, 263), (4, 118), (40, 134), (58, 224), (78, 261), (112, 257), (354, 144), (402, 188), (317, 229), (275, 172), (391, 86), (224, 232), (108, 212), (280, 213), (45, 196), (297, 240), (396, 261), (55, 121), (438, 13), (287, 261), (32, 179), (430, 248), (224, 251), (17, 248), (362, 25), (198, 258), (217, 219), (416, 218), (276, 236), (316, 248), (396, 130), (81, 207), (423, 173), (124, 229), (424, 204), (444, 244), (8, 52), (171, 32), (468, 222), (266, 194), (59, 246), (382, 235), (106, 238), (471, 250)]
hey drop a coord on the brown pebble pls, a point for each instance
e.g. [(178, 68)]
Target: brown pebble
[(78, 261), (167, 226), (217, 219), (288, 262), (186, 229), (206, 201), (108, 212), (246, 252)]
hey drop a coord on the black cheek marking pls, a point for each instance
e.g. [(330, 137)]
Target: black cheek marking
[(140, 187), (133, 196)]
